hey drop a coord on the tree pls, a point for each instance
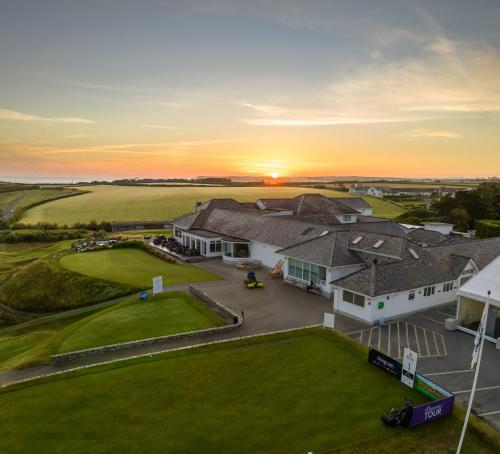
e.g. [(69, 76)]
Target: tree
[(461, 219)]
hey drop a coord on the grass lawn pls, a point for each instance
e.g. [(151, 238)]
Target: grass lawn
[(268, 394), (132, 267), (33, 342), (125, 203), (170, 313)]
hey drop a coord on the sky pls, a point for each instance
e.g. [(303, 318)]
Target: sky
[(158, 88)]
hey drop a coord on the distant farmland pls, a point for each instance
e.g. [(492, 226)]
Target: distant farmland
[(122, 203)]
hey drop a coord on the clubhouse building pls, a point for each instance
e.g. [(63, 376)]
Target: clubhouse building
[(371, 267)]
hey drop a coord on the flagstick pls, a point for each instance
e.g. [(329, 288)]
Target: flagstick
[(476, 374)]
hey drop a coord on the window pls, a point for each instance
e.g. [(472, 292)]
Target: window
[(307, 271), (429, 291), (353, 298), (204, 248), (347, 217), (215, 246), (448, 287), (177, 232), (411, 295), (228, 250), (464, 280)]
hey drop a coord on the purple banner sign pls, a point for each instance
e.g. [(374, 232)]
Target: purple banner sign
[(431, 411)]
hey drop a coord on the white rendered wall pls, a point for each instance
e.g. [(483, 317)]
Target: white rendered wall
[(266, 253)]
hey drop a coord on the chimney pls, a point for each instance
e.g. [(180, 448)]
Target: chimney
[(197, 206)]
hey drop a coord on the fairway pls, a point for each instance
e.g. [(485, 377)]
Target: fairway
[(130, 319), (267, 394), (126, 203), (132, 267), (169, 313)]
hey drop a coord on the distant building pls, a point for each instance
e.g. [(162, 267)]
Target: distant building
[(381, 191)]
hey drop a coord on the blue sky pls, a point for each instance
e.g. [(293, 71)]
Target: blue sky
[(164, 88)]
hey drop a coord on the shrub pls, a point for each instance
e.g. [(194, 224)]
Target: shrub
[(487, 228)]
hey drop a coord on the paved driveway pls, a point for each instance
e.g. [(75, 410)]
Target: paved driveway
[(450, 368)]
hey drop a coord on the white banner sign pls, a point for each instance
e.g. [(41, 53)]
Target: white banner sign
[(409, 367), (329, 320), (157, 285)]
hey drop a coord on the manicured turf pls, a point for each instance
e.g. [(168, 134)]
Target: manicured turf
[(125, 203), (132, 267), (170, 313), (293, 392), (131, 319)]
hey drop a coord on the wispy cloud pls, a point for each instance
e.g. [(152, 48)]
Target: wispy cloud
[(430, 133), (6, 114), (318, 121), (172, 128), (74, 136)]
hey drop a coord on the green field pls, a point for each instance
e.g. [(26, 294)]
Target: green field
[(6, 198), (267, 394), (170, 313), (42, 195), (132, 267), (126, 203), (131, 319)]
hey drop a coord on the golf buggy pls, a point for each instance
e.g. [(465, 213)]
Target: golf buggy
[(399, 417), (252, 282)]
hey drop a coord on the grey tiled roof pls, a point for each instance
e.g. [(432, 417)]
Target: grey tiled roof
[(275, 230), (330, 249), (356, 203), (309, 204), (436, 264)]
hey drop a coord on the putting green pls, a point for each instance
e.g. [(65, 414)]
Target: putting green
[(132, 267)]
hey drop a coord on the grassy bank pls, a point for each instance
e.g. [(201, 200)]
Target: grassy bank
[(268, 394), (42, 287)]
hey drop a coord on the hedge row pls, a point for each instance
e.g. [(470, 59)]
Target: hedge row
[(487, 228)]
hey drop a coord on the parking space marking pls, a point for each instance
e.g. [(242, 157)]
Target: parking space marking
[(490, 413), (390, 340), (444, 346), (435, 342), (449, 372), (416, 339), (477, 389), (426, 343)]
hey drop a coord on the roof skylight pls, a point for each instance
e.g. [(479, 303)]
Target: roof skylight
[(413, 253), (357, 240), (378, 244), (324, 233)]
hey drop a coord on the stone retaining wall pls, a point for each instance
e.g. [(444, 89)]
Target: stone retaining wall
[(234, 321)]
